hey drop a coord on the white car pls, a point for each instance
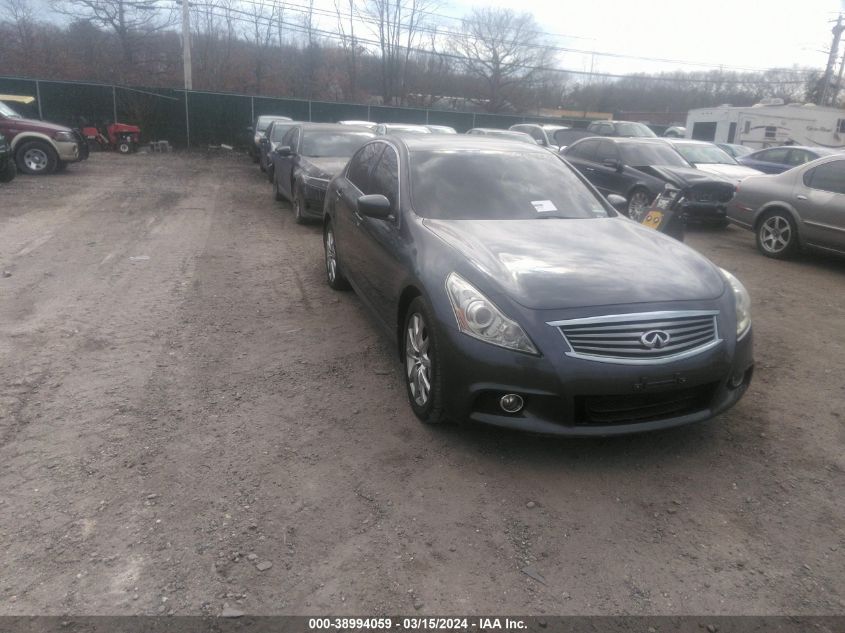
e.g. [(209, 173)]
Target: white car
[(712, 159)]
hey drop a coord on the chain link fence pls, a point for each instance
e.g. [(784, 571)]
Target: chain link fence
[(197, 119)]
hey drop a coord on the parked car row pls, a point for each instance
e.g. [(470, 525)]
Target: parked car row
[(515, 293), (37, 147)]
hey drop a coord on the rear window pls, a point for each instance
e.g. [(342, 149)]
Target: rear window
[(634, 129), (704, 154), (335, 144), (499, 185), (279, 130)]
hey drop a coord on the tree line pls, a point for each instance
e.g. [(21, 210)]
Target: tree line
[(394, 52)]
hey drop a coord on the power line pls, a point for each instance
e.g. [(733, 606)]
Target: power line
[(253, 18), (298, 8)]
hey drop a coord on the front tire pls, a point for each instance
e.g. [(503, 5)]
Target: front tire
[(638, 203), (777, 235), (334, 273), (124, 147), (276, 193), (423, 382), (9, 171), (36, 158)]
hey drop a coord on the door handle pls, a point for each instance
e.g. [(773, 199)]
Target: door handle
[(801, 196)]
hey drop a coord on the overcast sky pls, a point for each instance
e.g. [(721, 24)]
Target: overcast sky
[(749, 33)]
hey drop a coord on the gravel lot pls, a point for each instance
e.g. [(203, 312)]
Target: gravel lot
[(190, 418)]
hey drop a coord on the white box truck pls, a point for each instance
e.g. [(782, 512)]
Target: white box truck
[(768, 124)]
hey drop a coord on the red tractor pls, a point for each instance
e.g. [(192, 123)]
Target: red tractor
[(118, 136)]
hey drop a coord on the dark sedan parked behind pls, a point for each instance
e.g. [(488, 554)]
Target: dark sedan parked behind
[(518, 297), (639, 169), (803, 207), (776, 160), (257, 131), (309, 156), (271, 140)]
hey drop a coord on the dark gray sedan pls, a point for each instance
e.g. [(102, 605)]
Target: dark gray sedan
[(802, 207), (307, 158), (517, 296)]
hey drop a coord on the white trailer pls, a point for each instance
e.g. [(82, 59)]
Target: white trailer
[(769, 124)]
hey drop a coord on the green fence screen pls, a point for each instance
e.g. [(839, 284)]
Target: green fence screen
[(199, 119)]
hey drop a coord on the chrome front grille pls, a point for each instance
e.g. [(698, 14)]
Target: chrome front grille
[(641, 338)]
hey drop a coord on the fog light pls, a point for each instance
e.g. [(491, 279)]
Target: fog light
[(511, 403), (736, 379)]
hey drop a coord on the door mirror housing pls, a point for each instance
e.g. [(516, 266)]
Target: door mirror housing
[(375, 206), (284, 150), (618, 202), (612, 163)]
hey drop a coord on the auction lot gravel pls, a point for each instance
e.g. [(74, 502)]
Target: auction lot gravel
[(190, 417)]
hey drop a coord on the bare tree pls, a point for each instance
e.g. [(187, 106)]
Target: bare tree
[(398, 25), (131, 21), (502, 48), (349, 42), (214, 36), (260, 31)]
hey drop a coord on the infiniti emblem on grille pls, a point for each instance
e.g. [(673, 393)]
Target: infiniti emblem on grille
[(655, 339)]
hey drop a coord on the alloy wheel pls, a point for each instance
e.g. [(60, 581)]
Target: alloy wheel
[(35, 159), (418, 366), (637, 205), (331, 256), (775, 234)]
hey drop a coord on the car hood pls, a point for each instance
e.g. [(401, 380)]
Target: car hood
[(327, 166), (38, 126), (732, 172), (680, 176), (558, 264)]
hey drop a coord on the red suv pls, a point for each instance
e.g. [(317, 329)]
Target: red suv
[(39, 147)]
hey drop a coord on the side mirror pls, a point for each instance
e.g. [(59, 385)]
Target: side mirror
[(374, 206), (618, 202), (284, 150), (612, 163)]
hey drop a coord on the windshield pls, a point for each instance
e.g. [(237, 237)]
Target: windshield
[(704, 154), (635, 130), (498, 185), (335, 144), (279, 130), (8, 112), (648, 154)]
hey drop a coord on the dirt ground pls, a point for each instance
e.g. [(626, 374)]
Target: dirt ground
[(190, 418)]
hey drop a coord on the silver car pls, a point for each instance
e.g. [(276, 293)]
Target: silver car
[(800, 208)]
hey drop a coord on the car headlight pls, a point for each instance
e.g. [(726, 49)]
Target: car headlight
[(743, 303), (479, 317), (64, 137)]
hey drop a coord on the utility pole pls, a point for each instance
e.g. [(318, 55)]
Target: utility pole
[(186, 44), (835, 96), (831, 60)]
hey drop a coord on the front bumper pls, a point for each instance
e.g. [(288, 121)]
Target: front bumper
[(70, 151), (705, 211), (578, 397)]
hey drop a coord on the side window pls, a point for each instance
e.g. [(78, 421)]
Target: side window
[(827, 177), (474, 132), (358, 171), (776, 155), (292, 139), (606, 129), (585, 150), (840, 126), (606, 150), (519, 128), (385, 177), (771, 132), (798, 157)]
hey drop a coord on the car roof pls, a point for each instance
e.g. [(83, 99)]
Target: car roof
[(464, 142), (686, 141), (336, 127), (498, 129), (820, 150), (274, 117)]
